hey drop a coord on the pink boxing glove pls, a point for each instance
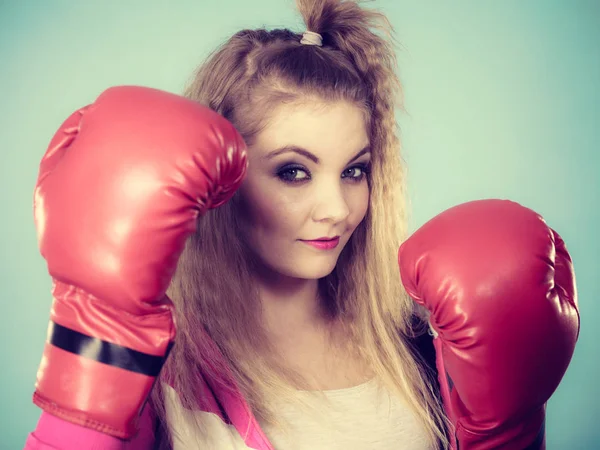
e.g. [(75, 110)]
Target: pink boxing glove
[(119, 191), (500, 288)]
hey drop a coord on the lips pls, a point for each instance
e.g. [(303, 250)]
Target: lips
[(324, 243)]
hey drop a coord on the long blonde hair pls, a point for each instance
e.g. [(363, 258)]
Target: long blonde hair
[(212, 289)]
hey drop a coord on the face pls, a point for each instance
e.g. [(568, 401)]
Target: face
[(306, 181)]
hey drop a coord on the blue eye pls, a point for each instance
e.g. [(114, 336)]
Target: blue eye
[(356, 173), (293, 174)]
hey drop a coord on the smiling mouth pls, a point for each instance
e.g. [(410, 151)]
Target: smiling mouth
[(324, 243)]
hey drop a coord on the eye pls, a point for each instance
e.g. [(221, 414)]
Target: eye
[(293, 174), (357, 172)]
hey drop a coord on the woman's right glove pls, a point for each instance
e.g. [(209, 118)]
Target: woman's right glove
[(119, 191)]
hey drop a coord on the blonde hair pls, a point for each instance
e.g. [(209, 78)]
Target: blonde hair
[(212, 289)]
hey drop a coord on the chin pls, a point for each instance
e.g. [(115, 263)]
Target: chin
[(310, 272)]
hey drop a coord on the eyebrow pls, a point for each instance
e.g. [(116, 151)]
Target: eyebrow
[(309, 155)]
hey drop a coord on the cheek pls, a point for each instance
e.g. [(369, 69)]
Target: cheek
[(269, 209), (358, 204)]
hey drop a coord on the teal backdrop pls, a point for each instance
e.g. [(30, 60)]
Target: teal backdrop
[(502, 100)]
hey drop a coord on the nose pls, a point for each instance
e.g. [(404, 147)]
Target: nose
[(332, 205)]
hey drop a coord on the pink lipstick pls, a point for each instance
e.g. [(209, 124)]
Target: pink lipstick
[(324, 243)]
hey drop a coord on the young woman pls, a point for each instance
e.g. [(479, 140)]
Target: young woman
[(278, 248)]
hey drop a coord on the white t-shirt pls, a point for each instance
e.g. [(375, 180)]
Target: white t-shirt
[(364, 417)]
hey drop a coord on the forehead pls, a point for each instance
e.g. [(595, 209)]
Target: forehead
[(322, 128)]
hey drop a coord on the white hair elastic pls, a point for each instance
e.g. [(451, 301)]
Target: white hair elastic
[(312, 38)]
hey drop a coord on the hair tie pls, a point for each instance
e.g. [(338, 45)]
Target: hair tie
[(312, 38)]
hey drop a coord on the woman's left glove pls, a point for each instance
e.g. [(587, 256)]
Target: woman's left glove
[(500, 288)]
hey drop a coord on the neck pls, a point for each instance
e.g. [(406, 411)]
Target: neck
[(291, 306)]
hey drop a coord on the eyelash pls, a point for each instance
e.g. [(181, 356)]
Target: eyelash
[(364, 168)]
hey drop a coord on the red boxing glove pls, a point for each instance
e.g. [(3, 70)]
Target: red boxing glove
[(500, 287), (118, 193)]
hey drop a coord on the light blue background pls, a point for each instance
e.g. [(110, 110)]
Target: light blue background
[(502, 101)]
